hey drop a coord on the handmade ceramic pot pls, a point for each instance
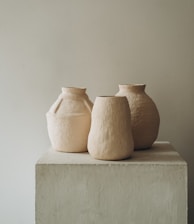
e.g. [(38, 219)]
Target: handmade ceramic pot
[(69, 120), (144, 115), (110, 136)]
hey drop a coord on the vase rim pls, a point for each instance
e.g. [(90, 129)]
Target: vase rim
[(131, 84), (111, 96), (72, 89)]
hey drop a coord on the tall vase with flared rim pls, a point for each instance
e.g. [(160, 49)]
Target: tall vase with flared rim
[(144, 115), (69, 119), (110, 136)]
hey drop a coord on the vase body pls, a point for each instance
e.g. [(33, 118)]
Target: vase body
[(69, 120), (145, 118), (110, 136)]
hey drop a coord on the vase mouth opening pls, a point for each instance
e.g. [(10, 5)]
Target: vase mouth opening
[(133, 85), (110, 96), (71, 89)]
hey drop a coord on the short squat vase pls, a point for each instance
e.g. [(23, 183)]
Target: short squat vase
[(144, 115), (69, 120), (110, 136)]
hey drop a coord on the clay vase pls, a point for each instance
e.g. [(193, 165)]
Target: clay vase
[(69, 120), (144, 115), (110, 136)]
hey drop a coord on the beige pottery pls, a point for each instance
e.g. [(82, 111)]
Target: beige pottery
[(144, 115), (69, 120), (110, 136)]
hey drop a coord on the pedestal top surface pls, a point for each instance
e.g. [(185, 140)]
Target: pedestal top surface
[(161, 153)]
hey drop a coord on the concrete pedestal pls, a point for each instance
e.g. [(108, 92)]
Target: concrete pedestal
[(149, 188)]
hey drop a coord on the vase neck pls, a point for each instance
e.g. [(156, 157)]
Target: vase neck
[(74, 90), (133, 87)]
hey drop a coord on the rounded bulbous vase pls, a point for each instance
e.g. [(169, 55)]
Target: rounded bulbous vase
[(69, 120), (110, 136), (145, 117)]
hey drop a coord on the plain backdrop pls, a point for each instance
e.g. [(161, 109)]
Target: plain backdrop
[(98, 44)]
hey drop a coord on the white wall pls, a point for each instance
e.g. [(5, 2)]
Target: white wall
[(45, 45)]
